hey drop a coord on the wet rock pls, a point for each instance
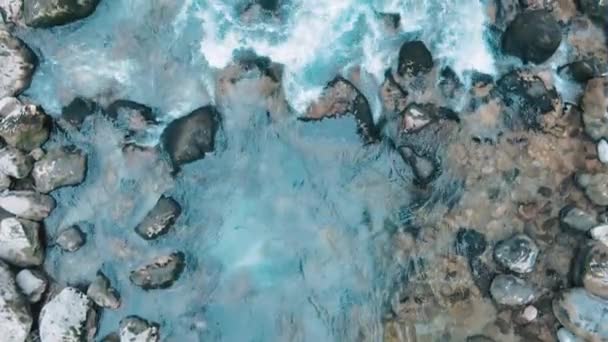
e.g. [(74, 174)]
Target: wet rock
[(101, 292), (68, 317), (78, 110), (47, 13), (416, 117), (70, 239), (595, 187), (594, 274), (449, 83), (27, 204), (394, 97), (20, 242), (15, 163), (341, 97), (595, 108), (161, 273), (10, 106), (414, 58), (11, 10), (470, 243), (60, 167), (188, 138), (17, 64), (27, 128), (518, 253), (32, 284), (510, 290), (583, 70), (134, 328), (577, 219), (600, 233), (529, 314), (425, 168), (15, 317), (160, 219), (533, 36), (595, 9), (602, 151), (582, 313), (132, 116)]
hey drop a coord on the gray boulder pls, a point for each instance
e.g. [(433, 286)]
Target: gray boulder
[(137, 329), (32, 284), (20, 242), (68, 317), (161, 273), (27, 204), (510, 290), (70, 239), (59, 167), (15, 163), (160, 219), (15, 317), (26, 128), (101, 292), (595, 187), (583, 314), (517, 253), (533, 36), (595, 108), (47, 13), (17, 64)]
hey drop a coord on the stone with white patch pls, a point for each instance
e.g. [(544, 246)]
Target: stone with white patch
[(102, 293), (17, 64), (58, 168), (582, 313), (20, 242), (15, 163), (137, 329), (70, 239), (517, 253), (27, 204), (600, 233), (507, 289), (67, 317), (12, 10), (15, 317), (32, 284), (26, 128), (602, 151)]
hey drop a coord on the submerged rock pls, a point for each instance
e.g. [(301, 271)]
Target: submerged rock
[(414, 58), (470, 243), (47, 13), (583, 314), (101, 292), (78, 110), (134, 328), (68, 317), (160, 219), (533, 36), (17, 64), (59, 167), (161, 273), (595, 270), (595, 9), (20, 242), (577, 219), (510, 290), (26, 129), (15, 163), (583, 70), (595, 187), (425, 168), (595, 108), (15, 317), (27, 204), (32, 283), (188, 138), (517, 253), (70, 239), (132, 116)]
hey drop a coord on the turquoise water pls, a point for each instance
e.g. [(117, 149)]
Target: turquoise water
[(284, 225)]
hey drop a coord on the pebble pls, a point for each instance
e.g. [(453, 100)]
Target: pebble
[(518, 253), (20, 242), (602, 151), (510, 290), (600, 233), (530, 313), (577, 219), (583, 314)]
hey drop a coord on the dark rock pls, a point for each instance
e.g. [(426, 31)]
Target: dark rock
[(577, 219), (47, 13), (595, 9), (17, 64), (188, 138), (479, 338), (78, 110), (63, 166), (533, 36), (545, 191), (595, 270), (595, 108), (32, 283), (160, 219), (20, 242), (582, 313), (414, 58), (15, 163), (517, 253), (595, 187), (70, 239), (15, 317), (68, 316), (101, 292), (26, 129), (583, 70), (470, 243), (269, 5), (510, 290), (449, 83), (394, 97), (27, 204), (161, 273), (134, 328), (133, 116)]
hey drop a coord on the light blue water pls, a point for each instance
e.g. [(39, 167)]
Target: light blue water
[(283, 226)]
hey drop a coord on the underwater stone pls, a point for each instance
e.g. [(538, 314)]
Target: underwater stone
[(595, 108), (577, 219), (414, 58), (595, 187), (27, 204), (70, 239), (32, 283), (77, 111), (161, 273), (510, 290), (533, 36), (134, 328), (160, 219), (15, 317), (15, 163), (595, 270), (27, 128), (20, 242), (470, 243), (101, 292), (583, 70), (517, 253), (47, 13), (415, 117), (595, 9), (17, 64), (58, 168), (582, 313), (67, 317)]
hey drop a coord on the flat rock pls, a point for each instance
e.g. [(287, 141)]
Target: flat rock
[(414, 58), (15, 317), (67, 317), (595, 187), (20, 242), (161, 273), (577, 219), (26, 128), (137, 329), (583, 314), (101, 292), (595, 270), (517, 253), (32, 284), (60, 167), (160, 219), (27, 204), (507, 289), (15, 163), (70, 239), (17, 64), (47, 13), (595, 108), (533, 36)]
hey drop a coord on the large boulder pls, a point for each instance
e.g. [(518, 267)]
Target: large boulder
[(27, 204), (583, 314), (17, 64), (188, 138), (137, 329), (20, 242), (414, 58), (68, 317), (533, 36), (160, 219), (161, 273), (64, 166), (15, 163), (15, 317), (76, 112), (595, 108), (26, 127), (47, 13), (517, 253)]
